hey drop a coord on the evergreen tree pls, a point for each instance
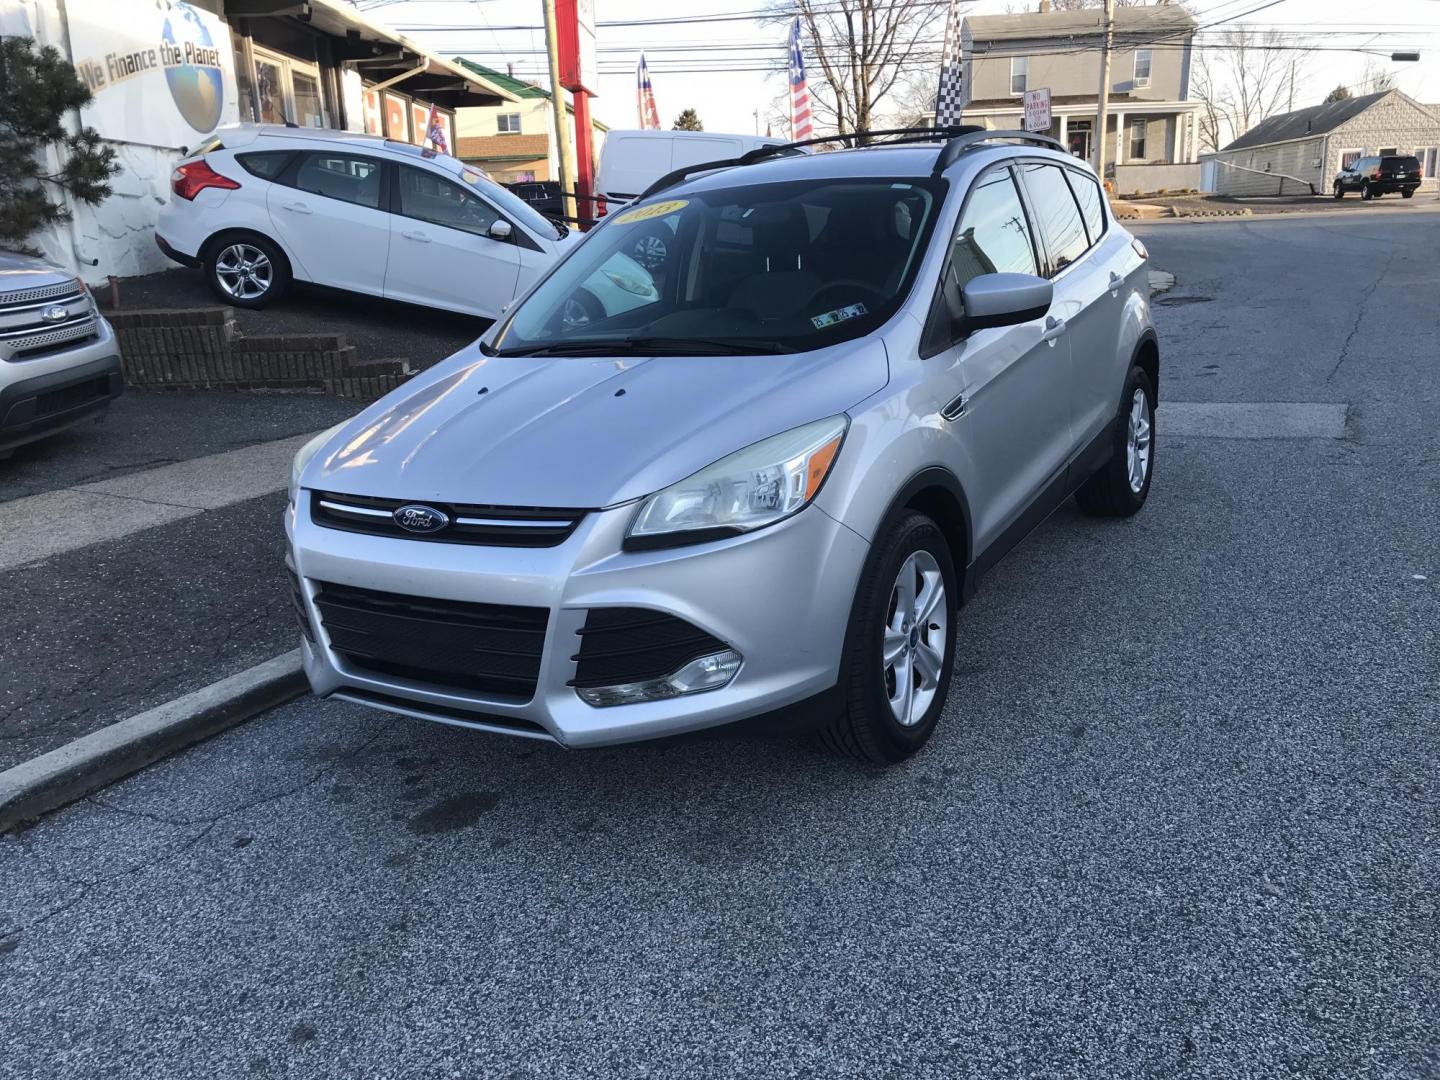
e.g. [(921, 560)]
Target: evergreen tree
[(1340, 93), (688, 120), (37, 87)]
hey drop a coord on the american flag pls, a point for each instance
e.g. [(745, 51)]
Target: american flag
[(645, 97), (435, 132), (801, 126)]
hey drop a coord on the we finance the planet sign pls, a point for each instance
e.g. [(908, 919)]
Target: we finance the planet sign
[(161, 74)]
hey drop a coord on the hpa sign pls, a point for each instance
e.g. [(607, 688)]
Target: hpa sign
[(161, 75)]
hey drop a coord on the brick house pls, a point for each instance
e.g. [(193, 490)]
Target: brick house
[(1290, 153)]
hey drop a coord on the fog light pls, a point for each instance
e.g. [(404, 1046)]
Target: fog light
[(707, 673)]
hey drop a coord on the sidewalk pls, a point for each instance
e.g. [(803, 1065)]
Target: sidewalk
[(128, 585)]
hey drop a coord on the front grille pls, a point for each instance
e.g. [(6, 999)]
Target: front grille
[(72, 397), (64, 291), (485, 648), (494, 526), (29, 342), (624, 645)]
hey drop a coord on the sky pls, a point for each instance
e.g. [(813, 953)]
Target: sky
[(732, 96)]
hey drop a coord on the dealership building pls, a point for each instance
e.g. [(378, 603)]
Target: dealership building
[(166, 73)]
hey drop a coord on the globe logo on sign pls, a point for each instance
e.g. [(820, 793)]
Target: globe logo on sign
[(192, 68)]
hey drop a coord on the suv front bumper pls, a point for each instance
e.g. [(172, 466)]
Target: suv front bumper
[(780, 596), (41, 396)]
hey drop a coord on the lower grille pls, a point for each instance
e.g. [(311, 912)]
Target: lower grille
[(484, 648), (624, 645), (72, 397), (494, 526)]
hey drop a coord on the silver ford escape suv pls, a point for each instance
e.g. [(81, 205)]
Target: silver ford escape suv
[(59, 360), (742, 455)]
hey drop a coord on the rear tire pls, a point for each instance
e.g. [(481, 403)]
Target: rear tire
[(898, 635), (1367, 192), (1120, 487), (1407, 193), (246, 270)]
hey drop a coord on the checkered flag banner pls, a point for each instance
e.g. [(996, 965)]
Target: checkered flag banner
[(950, 94)]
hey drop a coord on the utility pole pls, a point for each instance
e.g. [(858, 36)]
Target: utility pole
[(1291, 106), (1103, 108), (564, 149)]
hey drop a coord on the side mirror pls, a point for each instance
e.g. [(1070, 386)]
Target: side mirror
[(500, 229), (1004, 300)]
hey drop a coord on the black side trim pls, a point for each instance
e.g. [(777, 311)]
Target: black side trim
[(175, 256)]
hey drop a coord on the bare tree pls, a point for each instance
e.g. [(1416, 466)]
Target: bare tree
[(1241, 77), (1376, 78), (862, 47)]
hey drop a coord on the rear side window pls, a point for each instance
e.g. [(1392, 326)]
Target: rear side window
[(341, 176), (268, 165), (994, 237), (1056, 212), (1087, 194)]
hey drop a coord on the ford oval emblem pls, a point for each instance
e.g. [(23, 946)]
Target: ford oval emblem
[(55, 313), (416, 518)]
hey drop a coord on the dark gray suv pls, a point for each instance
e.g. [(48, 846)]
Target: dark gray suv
[(1376, 176)]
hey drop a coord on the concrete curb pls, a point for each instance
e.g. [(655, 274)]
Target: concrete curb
[(72, 771)]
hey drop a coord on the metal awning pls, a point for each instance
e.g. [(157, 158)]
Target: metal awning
[(382, 55)]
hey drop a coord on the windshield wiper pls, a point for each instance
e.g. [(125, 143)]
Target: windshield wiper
[(653, 346)]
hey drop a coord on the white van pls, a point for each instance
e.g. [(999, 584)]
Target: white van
[(633, 160)]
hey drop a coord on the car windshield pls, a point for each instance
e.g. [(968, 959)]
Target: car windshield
[(780, 267)]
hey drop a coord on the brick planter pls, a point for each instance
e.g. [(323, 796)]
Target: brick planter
[(203, 349)]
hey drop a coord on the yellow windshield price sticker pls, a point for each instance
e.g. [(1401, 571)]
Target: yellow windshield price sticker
[(654, 210)]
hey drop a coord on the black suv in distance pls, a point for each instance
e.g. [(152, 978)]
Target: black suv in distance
[(1375, 176)]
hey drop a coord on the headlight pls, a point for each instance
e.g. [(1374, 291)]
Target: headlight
[(305, 453), (750, 489)]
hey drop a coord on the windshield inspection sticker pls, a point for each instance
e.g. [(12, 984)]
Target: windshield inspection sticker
[(830, 318), (654, 210)]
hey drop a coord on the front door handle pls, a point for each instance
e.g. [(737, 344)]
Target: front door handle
[(420, 237), (297, 207), (1053, 329), (1115, 282)]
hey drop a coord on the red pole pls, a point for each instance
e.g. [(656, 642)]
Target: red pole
[(584, 160)]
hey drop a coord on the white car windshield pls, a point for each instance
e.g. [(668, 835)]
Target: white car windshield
[(781, 267)]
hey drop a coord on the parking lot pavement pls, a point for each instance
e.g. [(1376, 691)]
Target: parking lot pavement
[(148, 429), (1178, 819)]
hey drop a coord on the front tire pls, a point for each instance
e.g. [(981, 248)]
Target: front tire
[(246, 270), (1339, 191), (900, 645), (1120, 487)]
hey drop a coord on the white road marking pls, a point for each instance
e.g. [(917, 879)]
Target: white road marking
[(1252, 419), (54, 522)]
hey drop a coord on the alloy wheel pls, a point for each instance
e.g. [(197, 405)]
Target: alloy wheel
[(244, 271), (913, 653), (1137, 441)]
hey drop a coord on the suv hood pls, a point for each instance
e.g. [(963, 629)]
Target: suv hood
[(581, 433), (23, 272)]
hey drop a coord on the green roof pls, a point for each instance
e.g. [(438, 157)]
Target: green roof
[(505, 82)]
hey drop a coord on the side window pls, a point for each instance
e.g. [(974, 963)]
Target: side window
[(994, 236), (1057, 215), (428, 197), (1087, 194), (340, 176), (267, 164)]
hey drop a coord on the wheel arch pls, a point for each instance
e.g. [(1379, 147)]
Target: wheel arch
[(936, 492), (1147, 358), (240, 232)]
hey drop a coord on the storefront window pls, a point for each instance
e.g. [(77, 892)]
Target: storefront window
[(308, 110), (289, 90), (270, 84)]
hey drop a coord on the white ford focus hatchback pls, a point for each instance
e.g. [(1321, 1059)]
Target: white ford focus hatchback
[(260, 206)]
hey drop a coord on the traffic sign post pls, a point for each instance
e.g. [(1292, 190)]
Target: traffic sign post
[(1037, 109)]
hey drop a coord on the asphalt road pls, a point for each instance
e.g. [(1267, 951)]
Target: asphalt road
[(1180, 818)]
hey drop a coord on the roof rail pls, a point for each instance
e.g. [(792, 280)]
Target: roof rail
[(886, 137), (961, 143)]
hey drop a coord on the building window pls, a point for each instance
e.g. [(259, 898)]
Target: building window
[(1019, 70), (508, 123), (1137, 139), (1142, 68), (1428, 156), (1349, 157), (289, 90)]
